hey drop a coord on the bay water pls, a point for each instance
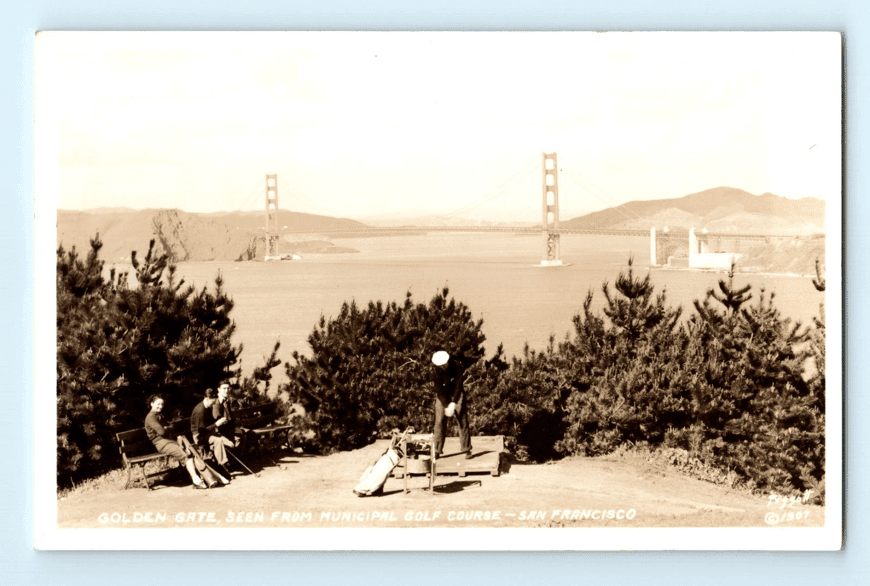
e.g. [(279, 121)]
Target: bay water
[(498, 276)]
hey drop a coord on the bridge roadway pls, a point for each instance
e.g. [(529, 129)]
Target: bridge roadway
[(370, 230)]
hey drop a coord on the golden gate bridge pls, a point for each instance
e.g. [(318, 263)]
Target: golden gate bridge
[(549, 227)]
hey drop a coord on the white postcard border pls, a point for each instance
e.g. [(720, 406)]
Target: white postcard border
[(48, 537)]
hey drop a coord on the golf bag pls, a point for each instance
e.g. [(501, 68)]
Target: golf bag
[(209, 474), (373, 479)]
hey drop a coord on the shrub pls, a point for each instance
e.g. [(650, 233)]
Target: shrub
[(523, 400), (370, 368)]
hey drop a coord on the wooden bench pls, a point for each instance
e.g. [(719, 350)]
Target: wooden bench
[(261, 421), (137, 449)]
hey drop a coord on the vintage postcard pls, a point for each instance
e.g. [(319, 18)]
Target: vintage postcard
[(439, 291)]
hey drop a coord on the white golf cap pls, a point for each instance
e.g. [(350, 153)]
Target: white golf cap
[(440, 358)]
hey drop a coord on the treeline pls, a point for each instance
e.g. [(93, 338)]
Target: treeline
[(735, 387), (117, 344)]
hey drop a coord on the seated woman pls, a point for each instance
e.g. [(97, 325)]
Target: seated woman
[(155, 427)]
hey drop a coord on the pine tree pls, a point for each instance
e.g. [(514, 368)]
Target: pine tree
[(753, 412), (812, 474), (818, 334), (633, 311), (89, 361), (178, 339), (255, 389), (626, 374), (721, 392)]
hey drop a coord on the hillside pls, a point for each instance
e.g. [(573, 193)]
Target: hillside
[(719, 210), (185, 236), (795, 256)]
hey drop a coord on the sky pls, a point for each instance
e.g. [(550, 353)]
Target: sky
[(378, 124)]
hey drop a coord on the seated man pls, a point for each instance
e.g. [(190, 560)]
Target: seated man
[(221, 411), (156, 429), (204, 429)]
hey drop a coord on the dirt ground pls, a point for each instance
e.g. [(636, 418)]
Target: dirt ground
[(316, 491)]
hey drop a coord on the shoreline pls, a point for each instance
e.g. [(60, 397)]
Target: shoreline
[(724, 272)]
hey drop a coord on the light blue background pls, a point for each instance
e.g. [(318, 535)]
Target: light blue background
[(20, 19)]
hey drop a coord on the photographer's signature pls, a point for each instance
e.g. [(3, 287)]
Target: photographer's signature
[(784, 504)]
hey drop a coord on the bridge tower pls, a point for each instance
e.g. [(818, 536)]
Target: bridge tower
[(550, 210), (272, 235)]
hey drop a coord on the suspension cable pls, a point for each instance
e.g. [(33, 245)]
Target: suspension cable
[(603, 196), (250, 199), (494, 193)]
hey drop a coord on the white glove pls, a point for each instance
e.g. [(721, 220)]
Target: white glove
[(450, 409)]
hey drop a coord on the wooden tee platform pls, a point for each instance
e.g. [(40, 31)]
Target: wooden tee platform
[(485, 458)]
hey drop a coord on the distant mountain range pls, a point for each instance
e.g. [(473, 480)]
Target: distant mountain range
[(722, 209), (184, 236)]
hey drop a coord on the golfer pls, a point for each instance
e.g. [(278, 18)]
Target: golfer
[(450, 400)]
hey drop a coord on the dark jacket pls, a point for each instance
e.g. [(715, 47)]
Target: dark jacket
[(202, 423), (449, 384), (219, 410)]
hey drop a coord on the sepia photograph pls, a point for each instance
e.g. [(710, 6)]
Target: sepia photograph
[(439, 290)]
